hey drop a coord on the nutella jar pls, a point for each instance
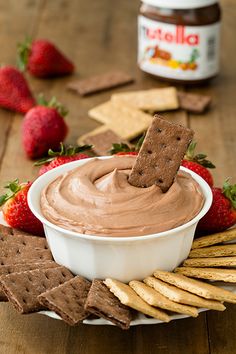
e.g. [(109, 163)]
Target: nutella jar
[(178, 40)]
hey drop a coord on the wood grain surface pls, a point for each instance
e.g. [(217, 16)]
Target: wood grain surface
[(99, 36)]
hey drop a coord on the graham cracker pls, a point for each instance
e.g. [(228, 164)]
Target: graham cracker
[(210, 262), (160, 155), (181, 296), (194, 103), (100, 82), (16, 268), (154, 298), (125, 121), (103, 303), (22, 289), (11, 235), (68, 300), (226, 275), (102, 141), (128, 297), (13, 253), (210, 240), (197, 287), (214, 251), (155, 100)]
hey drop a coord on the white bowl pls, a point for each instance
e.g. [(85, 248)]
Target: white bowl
[(122, 258)]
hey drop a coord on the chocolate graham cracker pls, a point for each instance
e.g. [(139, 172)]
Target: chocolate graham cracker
[(103, 141), (16, 268), (14, 253), (68, 300), (193, 102), (10, 235), (22, 289), (100, 82), (103, 303), (160, 155)]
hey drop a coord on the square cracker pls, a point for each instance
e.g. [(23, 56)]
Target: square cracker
[(13, 253), (181, 296), (160, 155), (128, 297), (155, 100), (100, 82), (214, 251), (16, 268), (210, 262), (197, 287), (192, 102), (103, 303), (102, 141), (68, 300), (210, 240), (22, 289), (226, 275), (10, 235), (125, 121), (154, 298)]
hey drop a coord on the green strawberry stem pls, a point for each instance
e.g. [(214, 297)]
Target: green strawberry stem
[(52, 103), (13, 188), (23, 50), (64, 151), (199, 158), (122, 147), (230, 192)]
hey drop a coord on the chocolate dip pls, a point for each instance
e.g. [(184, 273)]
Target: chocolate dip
[(96, 199)]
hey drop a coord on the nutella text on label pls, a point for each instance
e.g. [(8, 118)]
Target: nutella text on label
[(178, 51)]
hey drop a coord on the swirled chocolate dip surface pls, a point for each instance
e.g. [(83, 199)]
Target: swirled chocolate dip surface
[(97, 199)]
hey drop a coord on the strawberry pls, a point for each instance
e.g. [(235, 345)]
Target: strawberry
[(15, 94), (43, 59), (222, 213), (124, 149), (16, 211), (198, 164), (127, 153), (43, 128), (58, 158)]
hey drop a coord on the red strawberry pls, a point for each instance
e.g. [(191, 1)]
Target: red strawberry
[(58, 158), (14, 90), (16, 211), (43, 128), (43, 59), (127, 153), (198, 163), (222, 213)]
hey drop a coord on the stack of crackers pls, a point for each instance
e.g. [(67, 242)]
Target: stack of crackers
[(128, 114), (31, 281), (212, 258)]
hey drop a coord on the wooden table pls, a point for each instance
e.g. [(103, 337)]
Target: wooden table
[(101, 35)]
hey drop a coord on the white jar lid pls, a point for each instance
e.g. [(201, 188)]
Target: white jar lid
[(180, 4)]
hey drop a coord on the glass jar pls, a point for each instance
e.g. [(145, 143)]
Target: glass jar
[(178, 40)]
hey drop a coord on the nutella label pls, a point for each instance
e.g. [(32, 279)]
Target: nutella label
[(177, 51)]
